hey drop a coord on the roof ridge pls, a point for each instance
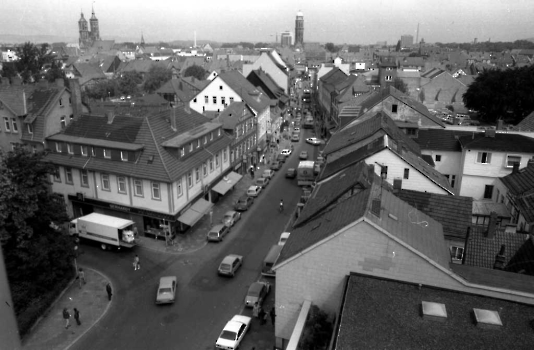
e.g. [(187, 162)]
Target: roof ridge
[(157, 147)]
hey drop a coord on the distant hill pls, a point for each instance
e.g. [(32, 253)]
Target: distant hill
[(530, 39), (36, 39)]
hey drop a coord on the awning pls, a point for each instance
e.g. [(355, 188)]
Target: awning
[(227, 183), (196, 212)]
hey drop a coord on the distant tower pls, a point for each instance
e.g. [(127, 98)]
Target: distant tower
[(299, 29), (84, 31), (95, 32), (142, 41)]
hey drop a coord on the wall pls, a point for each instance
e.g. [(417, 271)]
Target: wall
[(7, 137), (268, 66), (450, 164), (53, 120), (214, 89), (404, 113)]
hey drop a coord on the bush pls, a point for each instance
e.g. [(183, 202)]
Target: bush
[(317, 331)]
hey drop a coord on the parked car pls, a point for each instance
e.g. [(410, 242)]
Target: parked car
[(276, 165), (231, 217), (243, 203), (262, 182), (286, 152), (269, 173), (314, 141), (320, 160), (303, 155), (166, 290), (296, 128), (283, 238), (281, 158), (257, 292), (217, 232), (253, 191), (230, 264), (291, 173), (316, 168), (233, 332), (295, 138)]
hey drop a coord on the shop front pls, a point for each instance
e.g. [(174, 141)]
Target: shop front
[(227, 183), (191, 215)]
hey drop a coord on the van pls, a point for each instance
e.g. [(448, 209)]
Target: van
[(270, 260)]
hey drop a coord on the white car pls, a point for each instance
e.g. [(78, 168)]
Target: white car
[(283, 238), (286, 152), (166, 290), (233, 333), (314, 141), (253, 191)]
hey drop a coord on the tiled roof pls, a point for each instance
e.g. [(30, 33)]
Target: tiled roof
[(332, 167), (232, 115), (432, 73), (334, 76), (527, 124), (367, 128), (268, 83), (11, 96), (523, 260), (88, 72), (453, 212), (502, 142), (246, 90), (522, 182), (440, 140), (481, 250), (380, 313), (176, 86), (122, 129)]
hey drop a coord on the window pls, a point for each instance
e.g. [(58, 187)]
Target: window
[(223, 100), (107, 153), (6, 122), (191, 147), (190, 179), (105, 182), (70, 100), (488, 191), (220, 87), (198, 143), (195, 100), (121, 184), (197, 174), (63, 122), (497, 195), (225, 155), (179, 188), (437, 157), (83, 150), (182, 151), (406, 173), (452, 180), (30, 128), (389, 78), (70, 149), (124, 156), (84, 178), (205, 139), (394, 108), (231, 99), (211, 136), (214, 100), (205, 169), (71, 117), (206, 99), (61, 102), (15, 125), (510, 160), (217, 157), (218, 132), (57, 176), (68, 175), (155, 191), (93, 152), (58, 147), (138, 188), (484, 157), (457, 253), (411, 131), (211, 165)]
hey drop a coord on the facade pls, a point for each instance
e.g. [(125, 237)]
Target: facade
[(271, 63), (406, 41), (517, 192), (88, 35), (286, 39), (299, 29)]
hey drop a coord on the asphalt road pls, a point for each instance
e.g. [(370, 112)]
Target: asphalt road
[(205, 300)]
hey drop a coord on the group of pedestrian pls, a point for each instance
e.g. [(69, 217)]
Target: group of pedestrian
[(259, 312), (66, 316)]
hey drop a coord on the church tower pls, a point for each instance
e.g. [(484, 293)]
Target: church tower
[(95, 32), (84, 31), (299, 29)]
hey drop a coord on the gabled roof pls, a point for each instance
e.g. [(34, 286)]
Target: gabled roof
[(432, 73), (453, 212), (179, 88), (527, 124), (440, 140), (244, 88), (366, 128), (234, 114), (11, 97), (267, 83), (88, 72), (522, 182), (501, 142)]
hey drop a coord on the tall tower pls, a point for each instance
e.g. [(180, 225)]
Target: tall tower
[(95, 32), (299, 29), (84, 31)]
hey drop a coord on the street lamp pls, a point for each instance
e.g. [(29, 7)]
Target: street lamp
[(76, 241)]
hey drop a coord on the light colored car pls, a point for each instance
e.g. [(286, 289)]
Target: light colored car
[(257, 292), (286, 152), (230, 264), (217, 233), (303, 155), (231, 217), (269, 173), (233, 332), (296, 128), (295, 138), (314, 141), (276, 165), (283, 238), (166, 290), (262, 182), (253, 191), (243, 203)]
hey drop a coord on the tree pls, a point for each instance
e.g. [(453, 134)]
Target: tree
[(31, 61), (400, 85), (317, 330), (55, 72), (502, 94), (103, 89), (195, 71), (156, 77), (128, 81), (330, 47)]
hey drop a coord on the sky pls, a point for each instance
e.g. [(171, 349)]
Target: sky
[(337, 21)]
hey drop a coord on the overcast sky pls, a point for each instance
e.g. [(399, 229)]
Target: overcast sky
[(338, 21)]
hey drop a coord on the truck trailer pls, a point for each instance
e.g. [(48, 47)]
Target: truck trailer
[(305, 174), (108, 230)]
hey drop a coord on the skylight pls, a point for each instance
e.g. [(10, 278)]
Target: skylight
[(434, 311), (487, 318)]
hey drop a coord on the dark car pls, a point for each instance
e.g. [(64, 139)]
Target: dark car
[(243, 203), (276, 165), (281, 158), (291, 173)]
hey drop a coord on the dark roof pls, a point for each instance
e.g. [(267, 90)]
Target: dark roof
[(523, 260), (122, 129), (179, 88), (527, 124), (440, 140), (244, 88), (501, 142), (235, 113), (11, 96), (381, 313), (494, 278), (334, 76), (453, 212), (522, 182)]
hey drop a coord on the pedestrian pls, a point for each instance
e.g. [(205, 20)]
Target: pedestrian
[(77, 316), (272, 314), (66, 316), (252, 173), (255, 310), (81, 277), (262, 315), (136, 263), (108, 289)]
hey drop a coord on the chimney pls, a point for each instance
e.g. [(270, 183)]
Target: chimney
[(500, 259), (515, 168), (500, 124), (76, 98), (60, 82), (489, 133), (110, 115), (492, 226)]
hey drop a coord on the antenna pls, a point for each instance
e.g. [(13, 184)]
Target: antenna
[(195, 35), (417, 35)]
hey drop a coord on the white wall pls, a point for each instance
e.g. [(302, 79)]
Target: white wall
[(214, 89)]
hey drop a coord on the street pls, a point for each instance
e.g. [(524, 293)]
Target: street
[(205, 301)]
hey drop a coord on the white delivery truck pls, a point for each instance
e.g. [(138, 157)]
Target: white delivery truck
[(305, 173), (108, 230)]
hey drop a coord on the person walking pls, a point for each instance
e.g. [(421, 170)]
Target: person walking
[(262, 316), (272, 314), (136, 263), (66, 316), (108, 289), (81, 277), (77, 316), (255, 310)]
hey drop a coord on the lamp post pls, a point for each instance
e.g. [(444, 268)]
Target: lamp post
[(76, 241)]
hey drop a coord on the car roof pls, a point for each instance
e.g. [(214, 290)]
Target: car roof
[(230, 212), (253, 187), (216, 227), (230, 258), (243, 197), (166, 281), (256, 286)]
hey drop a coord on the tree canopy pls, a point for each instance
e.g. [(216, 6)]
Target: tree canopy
[(502, 94), (31, 61), (127, 83), (195, 71), (400, 85), (330, 47), (156, 77)]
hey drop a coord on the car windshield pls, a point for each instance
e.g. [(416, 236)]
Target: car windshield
[(228, 335), (254, 293), (165, 291), (225, 267), (213, 234), (227, 217)]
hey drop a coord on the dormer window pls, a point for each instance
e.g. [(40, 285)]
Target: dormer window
[(198, 143), (211, 136), (191, 147), (182, 151), (83, 150), (93, 152), (124, 156), (219, 132), (205, 139), (58, 147), (70, 149), (63, 122), (30, 129), (107, 153)]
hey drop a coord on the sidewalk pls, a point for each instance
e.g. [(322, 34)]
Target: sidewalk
[(91, 301)]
